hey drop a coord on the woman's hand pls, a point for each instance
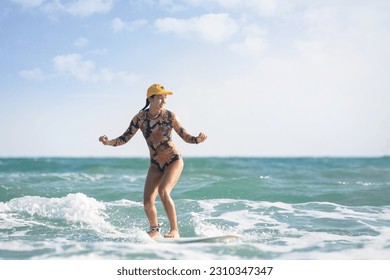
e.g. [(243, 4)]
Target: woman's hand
[(104, 140), (201, 138)]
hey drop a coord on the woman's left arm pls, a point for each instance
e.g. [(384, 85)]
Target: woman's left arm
[(182, 132)]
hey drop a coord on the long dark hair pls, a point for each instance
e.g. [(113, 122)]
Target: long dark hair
[(146, 105)]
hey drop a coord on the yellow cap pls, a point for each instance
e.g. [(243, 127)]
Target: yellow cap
[(157, 89)]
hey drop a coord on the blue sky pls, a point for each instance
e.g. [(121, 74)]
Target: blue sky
[(260, 78)]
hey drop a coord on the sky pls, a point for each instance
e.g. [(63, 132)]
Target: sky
[(272, 78)]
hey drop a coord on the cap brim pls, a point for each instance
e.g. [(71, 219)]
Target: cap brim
[(164, 92)]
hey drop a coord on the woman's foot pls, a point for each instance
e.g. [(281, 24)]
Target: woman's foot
[(154, 232), (172, 234)]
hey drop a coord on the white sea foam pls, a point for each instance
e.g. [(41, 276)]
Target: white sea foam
[(269, 229), (267, 226), (73, 208), (124, 202), (361, 183)]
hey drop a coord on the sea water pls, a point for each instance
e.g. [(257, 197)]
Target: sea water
[(283, 208)]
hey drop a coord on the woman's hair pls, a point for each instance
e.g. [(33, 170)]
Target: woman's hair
[(146, 105)]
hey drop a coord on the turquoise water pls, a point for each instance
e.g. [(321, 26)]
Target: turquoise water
[(284, 208)]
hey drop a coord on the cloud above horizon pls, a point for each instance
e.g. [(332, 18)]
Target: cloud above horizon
[(118, 24), (75, 66), (214, 28)]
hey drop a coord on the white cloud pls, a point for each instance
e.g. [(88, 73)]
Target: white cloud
[(76, 7), (119, 25), (85, 70), (81, 42), (252, 46), (343, 34), (34, 74), (74, 65), (254, 43), (213, 28)]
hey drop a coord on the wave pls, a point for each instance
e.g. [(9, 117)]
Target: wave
[(77, 224), (74, 208)]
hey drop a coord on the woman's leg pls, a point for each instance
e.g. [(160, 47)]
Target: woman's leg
[(153, 180), (171, 176)]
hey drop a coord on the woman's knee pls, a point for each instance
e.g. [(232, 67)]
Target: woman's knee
[(164, 195)]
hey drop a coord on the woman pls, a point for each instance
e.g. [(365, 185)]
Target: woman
[(166, 163)]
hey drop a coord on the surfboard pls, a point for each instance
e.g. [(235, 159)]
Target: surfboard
[(227, 238)]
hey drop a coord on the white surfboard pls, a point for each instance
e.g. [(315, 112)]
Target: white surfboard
[(227, 238)]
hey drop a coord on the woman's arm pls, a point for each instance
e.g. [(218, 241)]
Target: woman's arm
[(182, 132), (125, 137)]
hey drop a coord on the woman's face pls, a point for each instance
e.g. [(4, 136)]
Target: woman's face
[(158, 101)]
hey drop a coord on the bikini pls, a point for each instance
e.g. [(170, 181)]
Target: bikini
[(158, 135)]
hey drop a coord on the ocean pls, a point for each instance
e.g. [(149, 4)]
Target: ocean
[(283, 209)]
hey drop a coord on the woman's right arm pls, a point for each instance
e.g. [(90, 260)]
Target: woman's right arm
[(125, 137)]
